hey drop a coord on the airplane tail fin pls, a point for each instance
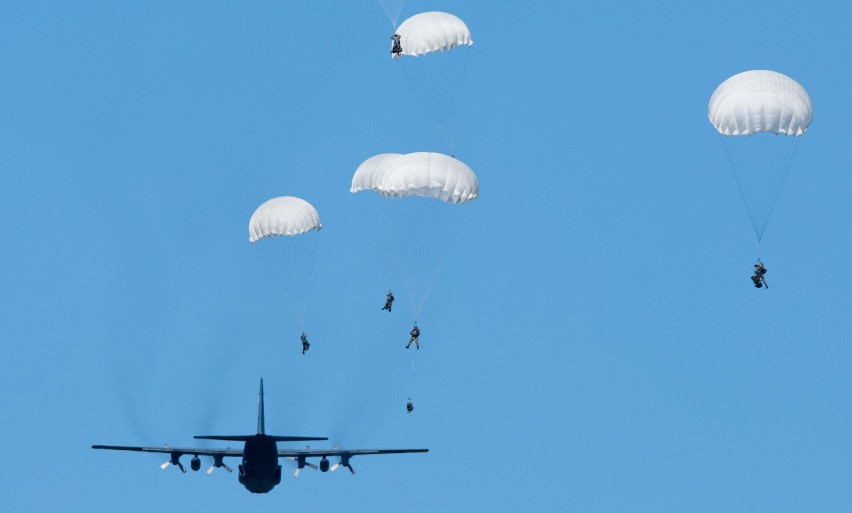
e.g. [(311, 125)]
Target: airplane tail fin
[(261, 429)]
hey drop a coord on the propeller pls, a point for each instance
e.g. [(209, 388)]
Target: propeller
[(217, 462), (344, 462), (174, 460), (301, 462)]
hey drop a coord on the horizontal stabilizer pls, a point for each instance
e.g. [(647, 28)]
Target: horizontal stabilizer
[(234, 438), (244, 438), (296, 438)]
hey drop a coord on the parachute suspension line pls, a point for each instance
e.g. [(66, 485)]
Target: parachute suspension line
[(411, 383), (392, 9), (292, 262), (459, 73), (381, 234), (402, 242), (407, 211), (421, 264), (760, 163), (399, 222), (456, 74), (732, 152), (438, 78), (781, 149), (424, 263), (403, 217), (311, 251), (297, 285), (411, 249)]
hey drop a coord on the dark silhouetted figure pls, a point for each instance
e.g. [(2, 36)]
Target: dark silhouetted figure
[(305, 344), (396, 50), (409, 406), (758, 278), (415, 334), (388, 302)]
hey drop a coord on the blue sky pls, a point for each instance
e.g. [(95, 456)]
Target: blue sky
[(593, 344)]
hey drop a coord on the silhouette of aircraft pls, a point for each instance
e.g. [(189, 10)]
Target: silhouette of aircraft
[(259, 471)]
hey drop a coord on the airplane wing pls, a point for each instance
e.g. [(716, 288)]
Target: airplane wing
[(319, 453), (174, 450), (301, 457)]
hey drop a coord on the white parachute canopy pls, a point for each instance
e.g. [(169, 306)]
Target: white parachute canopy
[(432, 32), (436, 63), (286, 215), (428, 175), (760, 101), (364, 176), (761, 115), (424, 174), (414, 231), (284, 230)]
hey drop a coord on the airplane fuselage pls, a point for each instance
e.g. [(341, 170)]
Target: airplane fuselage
[(260, 471)]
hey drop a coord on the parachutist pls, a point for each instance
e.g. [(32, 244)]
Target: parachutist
[(388, 302), (305, 344), (758, 278), (415, 335), (294, 220), (409, 406), (396, 50)]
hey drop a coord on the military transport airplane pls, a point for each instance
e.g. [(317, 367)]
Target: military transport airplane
[(260, 471)]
